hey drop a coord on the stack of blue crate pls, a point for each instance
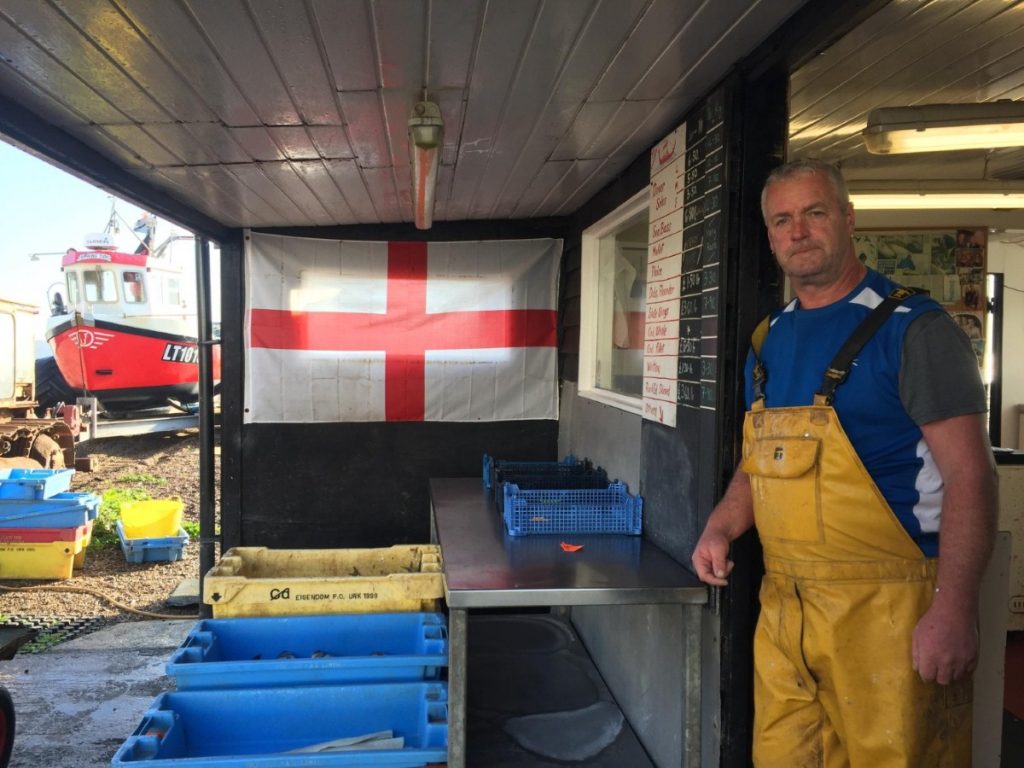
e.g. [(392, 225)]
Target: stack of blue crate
[(559, 497), (326, 690), (44, 528)]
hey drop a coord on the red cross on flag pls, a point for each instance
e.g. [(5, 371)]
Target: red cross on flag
[(400, 331)]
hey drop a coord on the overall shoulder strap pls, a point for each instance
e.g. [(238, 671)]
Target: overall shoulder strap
[(756, 342), (839, 368)]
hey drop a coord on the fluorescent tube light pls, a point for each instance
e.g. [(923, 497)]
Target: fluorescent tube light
[(425, 129), (945, 127), (867, 201)]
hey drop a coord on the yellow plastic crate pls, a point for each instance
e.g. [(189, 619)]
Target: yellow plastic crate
[(257, 581), (151, 519), (30, 560), (80, 557)]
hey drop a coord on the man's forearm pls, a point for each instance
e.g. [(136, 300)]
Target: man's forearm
[(966, 534), (734, 513), (969, 502)]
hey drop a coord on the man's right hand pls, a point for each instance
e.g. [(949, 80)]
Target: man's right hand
[(733, 515), (711, 558)]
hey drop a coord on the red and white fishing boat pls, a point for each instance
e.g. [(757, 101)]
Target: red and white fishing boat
[(126, 329)]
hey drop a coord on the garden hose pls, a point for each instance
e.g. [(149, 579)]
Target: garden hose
[(96, 593)]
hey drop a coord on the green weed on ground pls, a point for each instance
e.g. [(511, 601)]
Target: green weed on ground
[(142, 479), (192, 529)]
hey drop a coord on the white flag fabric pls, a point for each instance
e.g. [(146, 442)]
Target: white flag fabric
[(400, 331)]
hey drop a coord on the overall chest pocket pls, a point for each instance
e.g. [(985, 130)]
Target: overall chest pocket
[(785, 485)]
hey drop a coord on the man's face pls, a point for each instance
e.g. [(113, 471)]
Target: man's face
[(809, 232)]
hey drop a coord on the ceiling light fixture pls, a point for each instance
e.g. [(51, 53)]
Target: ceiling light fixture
[(935, 194), (885, 201), (425, 130), (945, 127)]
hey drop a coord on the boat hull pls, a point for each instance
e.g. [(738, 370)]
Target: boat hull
[(129, 366)]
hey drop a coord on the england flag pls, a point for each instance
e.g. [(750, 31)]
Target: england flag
[(400, 331)]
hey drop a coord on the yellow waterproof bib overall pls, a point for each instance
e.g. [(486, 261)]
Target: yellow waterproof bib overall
[(844, 587)]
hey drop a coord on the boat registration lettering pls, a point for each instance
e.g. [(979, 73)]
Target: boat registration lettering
[(180, 353)]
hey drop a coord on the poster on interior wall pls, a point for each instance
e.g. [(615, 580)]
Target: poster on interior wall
[(400, 331), (949, 263)]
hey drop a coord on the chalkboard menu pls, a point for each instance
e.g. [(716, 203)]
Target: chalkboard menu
[(702, 252), (685, 246)]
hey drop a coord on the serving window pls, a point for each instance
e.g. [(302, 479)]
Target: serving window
[(612, 306)]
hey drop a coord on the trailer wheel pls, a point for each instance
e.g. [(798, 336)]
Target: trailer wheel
[(6, 727), (51, 387), (47, 452)]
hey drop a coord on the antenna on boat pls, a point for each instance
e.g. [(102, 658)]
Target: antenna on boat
[(142, 230), (112, 227)]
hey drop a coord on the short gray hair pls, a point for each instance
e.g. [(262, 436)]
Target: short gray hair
[(804, 167)]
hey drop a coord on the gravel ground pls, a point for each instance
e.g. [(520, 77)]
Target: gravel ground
[(165, 465)]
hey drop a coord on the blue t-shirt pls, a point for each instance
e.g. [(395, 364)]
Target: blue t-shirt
[(800, 345)]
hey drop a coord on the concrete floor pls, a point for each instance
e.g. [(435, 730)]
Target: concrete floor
[(76, 703)]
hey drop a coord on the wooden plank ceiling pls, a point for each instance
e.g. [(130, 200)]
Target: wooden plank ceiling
[(911, 52), (294, 112)]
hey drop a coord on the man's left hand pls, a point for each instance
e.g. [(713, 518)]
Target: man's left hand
[(945, 643)]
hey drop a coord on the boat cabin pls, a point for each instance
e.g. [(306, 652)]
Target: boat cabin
[(102, 279)]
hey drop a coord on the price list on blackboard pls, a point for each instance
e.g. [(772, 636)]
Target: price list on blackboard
[(704, 193), (664, 279)]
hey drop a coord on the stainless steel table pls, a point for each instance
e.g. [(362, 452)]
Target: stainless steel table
[(486, 568)]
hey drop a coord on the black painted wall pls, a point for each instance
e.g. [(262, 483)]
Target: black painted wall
[(365, 484)]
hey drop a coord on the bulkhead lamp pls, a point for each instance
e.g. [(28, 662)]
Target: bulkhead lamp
[(425, 130), (944, 127)]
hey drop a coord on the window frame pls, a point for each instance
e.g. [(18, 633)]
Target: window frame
[(143, 297), (105, 278), (71, 285), (590, 279)]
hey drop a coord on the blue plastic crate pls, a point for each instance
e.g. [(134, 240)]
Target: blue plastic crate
[(311, 650), (568, 473), (26, 484), (260, 727), (13, 508), (64, 510), (164, 549), (587, 510), (589, 477)]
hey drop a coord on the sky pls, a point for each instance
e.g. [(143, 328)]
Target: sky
[(45, 211)]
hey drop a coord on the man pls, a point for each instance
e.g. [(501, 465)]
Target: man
[(868, 628)]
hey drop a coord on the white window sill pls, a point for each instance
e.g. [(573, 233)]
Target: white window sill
[(622, 402)]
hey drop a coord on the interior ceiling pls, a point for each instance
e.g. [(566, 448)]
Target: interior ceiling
[(911, 52), (294, 112)]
